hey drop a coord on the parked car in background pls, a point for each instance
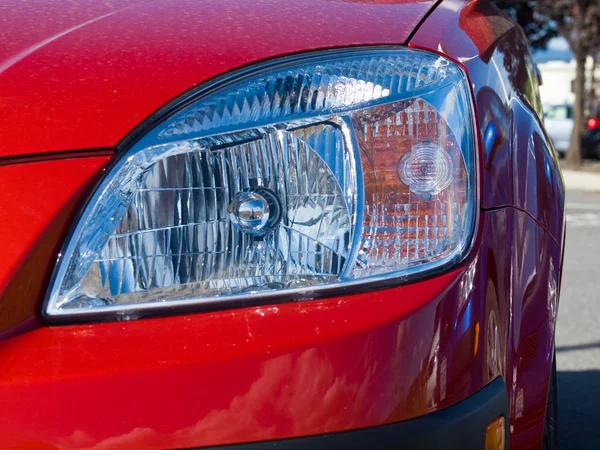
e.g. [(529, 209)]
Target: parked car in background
[(279, 224), (591, 137), (559, 125), (591, 143)]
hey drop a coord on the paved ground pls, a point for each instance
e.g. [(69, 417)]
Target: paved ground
[(584, 180), (578, 329)]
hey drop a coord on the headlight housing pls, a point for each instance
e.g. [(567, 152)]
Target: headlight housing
[(288, 180)]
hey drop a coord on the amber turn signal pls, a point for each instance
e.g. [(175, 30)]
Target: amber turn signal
[(494, 435)]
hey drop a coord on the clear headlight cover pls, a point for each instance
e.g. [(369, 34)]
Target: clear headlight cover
[(299, 177)]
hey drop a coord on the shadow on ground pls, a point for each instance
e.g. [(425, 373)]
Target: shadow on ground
[(579, 410)]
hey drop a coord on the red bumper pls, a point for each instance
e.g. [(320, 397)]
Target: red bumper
[(242, 375), (239, 375)]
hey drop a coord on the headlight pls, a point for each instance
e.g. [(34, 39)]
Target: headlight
[(288, 180)]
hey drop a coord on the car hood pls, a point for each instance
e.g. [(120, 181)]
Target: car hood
[(81, 74)]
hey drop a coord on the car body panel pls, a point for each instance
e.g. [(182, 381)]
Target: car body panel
[(533, 312), (266, 372), (285, 369), (515, 150), (89, 77), (521, 171), (39, 201), (538, 186)]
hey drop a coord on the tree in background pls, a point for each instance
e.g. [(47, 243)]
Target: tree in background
[(592, 95), (538, 28), (578, 21)]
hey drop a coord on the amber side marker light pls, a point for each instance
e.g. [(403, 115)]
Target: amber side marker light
[(494, 435)]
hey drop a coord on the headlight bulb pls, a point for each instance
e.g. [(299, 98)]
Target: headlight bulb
[(255, 212)]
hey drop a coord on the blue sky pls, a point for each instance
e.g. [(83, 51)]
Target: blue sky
[(558, 50)]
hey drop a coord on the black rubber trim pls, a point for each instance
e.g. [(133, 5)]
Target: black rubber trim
[(54, 156), (460, 427)]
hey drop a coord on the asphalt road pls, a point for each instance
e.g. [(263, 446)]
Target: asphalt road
[(578, 327)]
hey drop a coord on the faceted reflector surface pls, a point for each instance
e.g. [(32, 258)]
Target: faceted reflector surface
[(316, 172)]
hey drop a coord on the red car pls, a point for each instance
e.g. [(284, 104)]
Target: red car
[(274, 224)]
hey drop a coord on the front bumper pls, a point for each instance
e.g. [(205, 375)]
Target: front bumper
[(461, 426), (253, 374), (247, 375)]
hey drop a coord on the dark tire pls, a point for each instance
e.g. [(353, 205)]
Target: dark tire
[(551, 426)]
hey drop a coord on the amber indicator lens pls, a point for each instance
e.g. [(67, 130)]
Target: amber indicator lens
[(494, 435)]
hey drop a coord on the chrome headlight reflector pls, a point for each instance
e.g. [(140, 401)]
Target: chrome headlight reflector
[(316, 172)]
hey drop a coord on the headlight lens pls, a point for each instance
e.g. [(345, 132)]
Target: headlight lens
[(339, 168)]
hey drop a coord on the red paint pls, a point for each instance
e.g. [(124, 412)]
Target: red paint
[(531, 330), (257, 373), (37, 204), (280, 370), (89, 87), (31, 196), (247, 374), (521, 174)]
